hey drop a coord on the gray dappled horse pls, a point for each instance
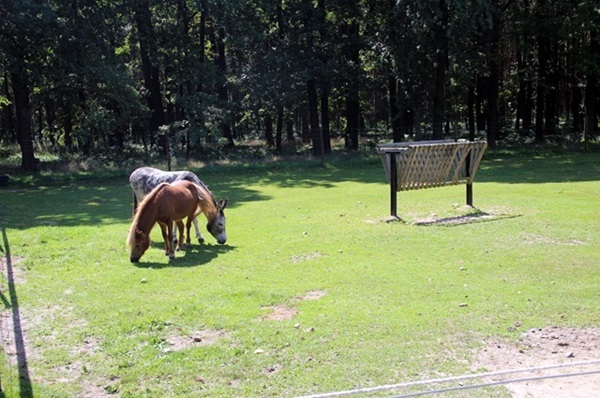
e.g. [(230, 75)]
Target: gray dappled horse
[(145, 179), (165, 205)]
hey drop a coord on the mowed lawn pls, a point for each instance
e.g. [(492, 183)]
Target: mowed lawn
[(313, 292)]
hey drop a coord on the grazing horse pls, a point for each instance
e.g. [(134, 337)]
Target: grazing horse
[(165, 204), (145, 179)]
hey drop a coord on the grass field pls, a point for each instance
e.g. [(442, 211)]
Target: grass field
[(313, 291)]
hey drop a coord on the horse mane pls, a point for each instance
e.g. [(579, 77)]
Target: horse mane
[(211, 197), (189, 176), (141, 206)]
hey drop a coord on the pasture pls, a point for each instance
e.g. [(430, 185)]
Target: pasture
[(313, 292)]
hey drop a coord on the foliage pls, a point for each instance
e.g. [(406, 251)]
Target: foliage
[(104, 74)]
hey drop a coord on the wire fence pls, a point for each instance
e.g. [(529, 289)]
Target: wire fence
[(458, 381)]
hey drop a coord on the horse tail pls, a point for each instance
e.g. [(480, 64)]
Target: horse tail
[(135, 204)]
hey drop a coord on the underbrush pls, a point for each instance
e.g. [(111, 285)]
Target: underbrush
[(247, 156)]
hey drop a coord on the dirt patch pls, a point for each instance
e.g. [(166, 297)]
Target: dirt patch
[(280, 313), (296, 259), (287, 312), (74, 371), (311, 295), (533, 239), (546, 347), (200, 338), (18, 274)]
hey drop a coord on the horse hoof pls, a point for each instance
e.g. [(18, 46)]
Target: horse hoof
[(172, 256), (200, 240)]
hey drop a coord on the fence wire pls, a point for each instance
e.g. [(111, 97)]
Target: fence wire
[(459, 379)]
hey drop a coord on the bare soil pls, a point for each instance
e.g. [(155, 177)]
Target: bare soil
[(545, 347), (285, 312)]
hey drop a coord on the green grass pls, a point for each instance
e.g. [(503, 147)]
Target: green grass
[(391, 295)]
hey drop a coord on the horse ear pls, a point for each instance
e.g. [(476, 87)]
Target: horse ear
[(223, 203)]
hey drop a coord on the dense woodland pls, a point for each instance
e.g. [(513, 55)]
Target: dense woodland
[(89, 76)]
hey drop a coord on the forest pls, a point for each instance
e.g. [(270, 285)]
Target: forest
[(91, 76)]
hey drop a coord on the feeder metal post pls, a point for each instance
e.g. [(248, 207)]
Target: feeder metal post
[(393, 188), (469, 183)]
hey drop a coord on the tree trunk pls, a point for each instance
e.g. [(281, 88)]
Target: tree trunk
[(325, 119), (269, 130), (543, 44), (591, 109), (324, 84), (222, 86), (471, 112), (551, 110), (479, 104), (395, 114), (521, 92), (150, 66), (68, 126), (441, 57), (23, 121), (8, 122), (493, 88), (528, 110), (305, 128), (576, 97), (541, 92), (352, 118), (279, 129), (591, 93), (352, 54), (313, 117), (289, 130)]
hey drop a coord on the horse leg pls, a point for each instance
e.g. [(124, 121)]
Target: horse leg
[(198, 234), (170, 251), (180, 229), (188, 225), (166, 236), (175, 240)]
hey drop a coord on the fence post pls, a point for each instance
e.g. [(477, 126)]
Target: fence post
[(468, 173), (393, 189)]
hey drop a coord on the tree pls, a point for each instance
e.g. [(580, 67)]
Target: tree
[(150, 65), (22, 27), (91, 75)]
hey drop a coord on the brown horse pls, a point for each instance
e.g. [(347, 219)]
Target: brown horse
[(166, 204), (144, 179)]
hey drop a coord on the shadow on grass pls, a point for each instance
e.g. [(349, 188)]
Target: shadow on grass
[(85, 204), (12, 303), (539, 169), (106, 201), (471, 218), (190, 256)]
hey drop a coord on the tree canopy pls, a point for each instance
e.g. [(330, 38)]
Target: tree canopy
[(92, 75)]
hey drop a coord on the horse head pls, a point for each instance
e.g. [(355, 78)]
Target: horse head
[(216, 225), (139, 245)]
